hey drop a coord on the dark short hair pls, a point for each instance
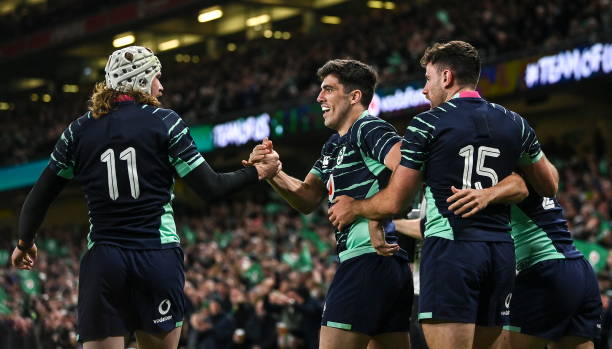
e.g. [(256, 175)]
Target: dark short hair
[(458, 56), (354, 75)]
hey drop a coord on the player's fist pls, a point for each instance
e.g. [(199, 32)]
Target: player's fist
[(24, 259)]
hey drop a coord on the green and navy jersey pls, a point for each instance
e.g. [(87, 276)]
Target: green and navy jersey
[(467, 142), (126, 162), (540, 231), (353, 165)]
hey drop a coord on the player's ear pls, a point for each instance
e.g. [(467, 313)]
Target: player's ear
[(447, 78), (356, 96)]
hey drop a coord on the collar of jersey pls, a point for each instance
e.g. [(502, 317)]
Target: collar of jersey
[(124, 98), (466, 94)]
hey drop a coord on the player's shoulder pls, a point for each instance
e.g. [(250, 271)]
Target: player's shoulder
[(80, 122), (368, 123), (159, 112), (331, 143), (168, 117), (510, 114)]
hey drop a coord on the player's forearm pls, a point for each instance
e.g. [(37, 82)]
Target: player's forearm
[(409, 227), (510, 190), (543, 177), (383, 205), (209, 184), (301, 196)]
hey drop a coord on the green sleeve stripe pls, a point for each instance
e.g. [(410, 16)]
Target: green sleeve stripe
[(178, 137), (409, 142), (425, 122), (411, 159), (411, 151), (315, 172), (359, 131), (444, 110), (183, 168), (423, 133), (173, 126), (70, 130), (67, 173), (380, 150), (454, 106)]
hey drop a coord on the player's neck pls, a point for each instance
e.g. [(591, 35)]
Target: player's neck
[(353, 116), (453, 93)]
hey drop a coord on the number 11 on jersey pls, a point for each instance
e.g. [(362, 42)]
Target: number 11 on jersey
[(128, 155)]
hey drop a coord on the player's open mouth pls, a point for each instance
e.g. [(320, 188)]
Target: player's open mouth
[(325, 109)]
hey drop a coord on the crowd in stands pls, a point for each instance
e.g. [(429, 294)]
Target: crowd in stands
[(27, 17), (257, 272), (264, 72)]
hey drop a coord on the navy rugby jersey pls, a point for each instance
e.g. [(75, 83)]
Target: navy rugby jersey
[(540, 231), (126, 161), (353, 165), (467, 142)]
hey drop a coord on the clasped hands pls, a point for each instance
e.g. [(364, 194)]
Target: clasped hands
[(265, 160)]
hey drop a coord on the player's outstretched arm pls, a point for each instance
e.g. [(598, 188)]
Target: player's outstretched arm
[(394, 199), (543, 177), (304, 196), (209, 184), (33, 212), (468, 202)]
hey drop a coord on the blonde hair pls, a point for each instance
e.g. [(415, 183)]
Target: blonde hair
[(103, 99)]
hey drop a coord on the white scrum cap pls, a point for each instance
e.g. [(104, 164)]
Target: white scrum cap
[(132, 69)]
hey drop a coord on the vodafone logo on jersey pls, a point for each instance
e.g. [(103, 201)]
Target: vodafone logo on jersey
[(330, 187)]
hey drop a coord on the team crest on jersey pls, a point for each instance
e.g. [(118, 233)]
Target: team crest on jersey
[(340, 155), (548, 203), (330, 187), (325, 161)]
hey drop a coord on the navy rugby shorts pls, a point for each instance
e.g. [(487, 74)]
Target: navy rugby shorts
[(556, 298), (123, 290), (370, 294), (465, 281)]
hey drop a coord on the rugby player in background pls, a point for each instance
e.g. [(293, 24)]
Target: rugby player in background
[(555, 300), (467, 266), (370, 297), (125, 153)]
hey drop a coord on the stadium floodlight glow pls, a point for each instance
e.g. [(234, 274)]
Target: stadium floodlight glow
[(258, 20), (34, 97), (4, 106), (286, 35), (70, 88), (231, 47), (169, 45), (389, 5), (210, 14), (331, 20), (375, 4), (46, 98), (268, 33), (124, 39)]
